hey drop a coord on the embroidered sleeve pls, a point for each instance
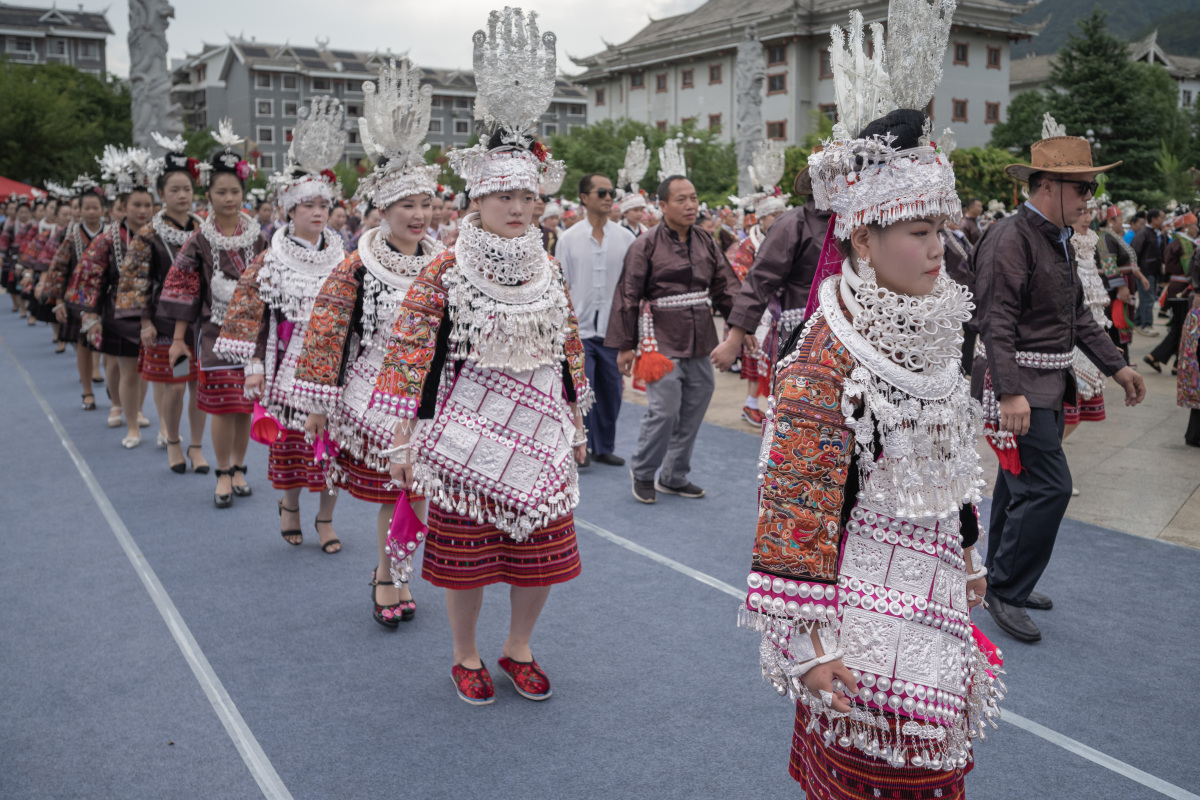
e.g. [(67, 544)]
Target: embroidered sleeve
[(48, 247), (573, 347), (181, 295), (87, 282), (319, 371), (133, 288), (412, 344), (241, 333), (51, 286), (741, 256), (29, 246)]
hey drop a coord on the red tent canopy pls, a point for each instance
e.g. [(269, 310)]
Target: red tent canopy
[(9, 187)]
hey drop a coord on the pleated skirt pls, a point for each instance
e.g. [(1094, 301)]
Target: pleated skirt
[(154, 364), (222, 391), (290, 464)]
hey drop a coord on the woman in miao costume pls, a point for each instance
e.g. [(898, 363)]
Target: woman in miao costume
[(152, 251), (264, 327), (196, 295), (486, 355), (347, 337), (863, 571), (50, 238), (92, 292)]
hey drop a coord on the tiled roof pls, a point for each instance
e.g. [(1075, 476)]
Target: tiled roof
[(58, 18)]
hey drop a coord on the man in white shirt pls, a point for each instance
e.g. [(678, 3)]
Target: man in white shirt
[(592, 254)]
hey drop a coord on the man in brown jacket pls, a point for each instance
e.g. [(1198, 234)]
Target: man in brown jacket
[(679, 271), (1030, 316)]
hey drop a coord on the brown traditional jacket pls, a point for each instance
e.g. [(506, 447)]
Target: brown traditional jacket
[(657, 265), (1028, 298), (785, 265)]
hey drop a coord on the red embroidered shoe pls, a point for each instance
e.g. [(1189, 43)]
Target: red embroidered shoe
[(474, 685), (527, 678)]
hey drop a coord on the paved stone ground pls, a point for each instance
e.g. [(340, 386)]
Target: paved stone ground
[(1133, 471)]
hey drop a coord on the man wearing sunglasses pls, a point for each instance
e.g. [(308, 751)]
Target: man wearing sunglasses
[(1030, 316)]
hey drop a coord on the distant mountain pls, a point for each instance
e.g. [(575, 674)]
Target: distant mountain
[(1176, 20)]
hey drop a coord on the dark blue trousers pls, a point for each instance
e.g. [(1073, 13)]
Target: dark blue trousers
[(600, 364)]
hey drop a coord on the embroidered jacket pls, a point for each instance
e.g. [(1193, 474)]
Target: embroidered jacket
[(56, 278), (93, 285), (143, 275)]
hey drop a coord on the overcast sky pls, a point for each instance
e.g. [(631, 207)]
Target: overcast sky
[(435, 33)]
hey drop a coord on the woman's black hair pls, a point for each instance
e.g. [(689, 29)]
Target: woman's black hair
[(907, 125), (212, 179), (103, 200), (161, 183)]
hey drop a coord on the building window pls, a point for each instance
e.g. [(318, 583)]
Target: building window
[(687, 121), (320, 84), (714, 123), (353, 110), (462, 126), (993, 61), (58, 47), (777, 84), (714, 73), (830, 111), (960, 53), (201, 73), (776, 54), (262, 80), (436, 101), (577, 109), (661, 125), (777, 130), (265, 134), (435, 126), (637, 80), (599, 97), (991, 113), (549, 129), (289, 82), (266, 161), (264, 108), (660, 82), (289, 108), (352, 138), (23, 45), (287, 135), (462, 102), (960, 111), (1186, 97), (826, 65), (687, 78), (91, 50)]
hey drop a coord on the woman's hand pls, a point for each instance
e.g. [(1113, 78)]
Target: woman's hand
[(819, 681), (60, 314), (976, 591), (91, 323), (315, 424), (178, 349), (255, 385), (402, 471), (1142, 279), (149, 334), (580, 451)]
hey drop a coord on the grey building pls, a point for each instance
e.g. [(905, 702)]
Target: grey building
[(261, 86), (55, 36), (681, 68)]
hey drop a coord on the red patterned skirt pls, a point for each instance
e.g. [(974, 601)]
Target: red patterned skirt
[(836, 773), (222, 391), (154, 365), (1087, 411), (363, 482), (462, 554), (290, 464)]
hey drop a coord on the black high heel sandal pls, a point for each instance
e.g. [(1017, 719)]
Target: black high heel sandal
[(203, 468), (89, 405), (294, 532), (223, 500), (240, 491), (326, 545), (387, 616), (181, 467)]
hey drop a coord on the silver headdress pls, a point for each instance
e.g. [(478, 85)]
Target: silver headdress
[(1051, 128), (395, 120), (175, 160), (84, 184), (766, 170), (128, 168), (173, 145), (58, 191), (226, 160), (947, 142), (318, 140), (868, 180), (670, 160), (515, 69), (637, 163)]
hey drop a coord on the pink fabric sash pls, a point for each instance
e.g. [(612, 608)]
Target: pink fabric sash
[(830, 263)]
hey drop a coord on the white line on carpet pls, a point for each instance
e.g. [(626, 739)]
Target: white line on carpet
[(1029, 726), (260, 766)]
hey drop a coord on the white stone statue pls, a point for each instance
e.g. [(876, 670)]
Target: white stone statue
[(749, 77), (149, 76)]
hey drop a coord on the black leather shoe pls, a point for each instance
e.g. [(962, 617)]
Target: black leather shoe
[(1039, 601), (1013, 620), (610, 459)]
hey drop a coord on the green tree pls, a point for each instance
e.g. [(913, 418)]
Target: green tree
[(979, 172), (1024, 124), (56, 119)]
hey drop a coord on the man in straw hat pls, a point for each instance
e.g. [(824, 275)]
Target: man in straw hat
[(1030, 316)]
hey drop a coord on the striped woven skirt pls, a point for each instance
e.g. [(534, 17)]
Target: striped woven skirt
[(1087, 411), (462, 554), (222, 391), (290, 463), (836, 773), (362, 482), (154, 364)]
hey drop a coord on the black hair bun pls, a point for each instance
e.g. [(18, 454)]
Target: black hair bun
[(907, 125)]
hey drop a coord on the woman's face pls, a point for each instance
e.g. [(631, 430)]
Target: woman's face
[(63, 217), (507, 214), (139, 207), (1084, 221), (91, 209), (907, 255), (225, 194), (766, 222), (177, 194), (337, 218), (408, 218), (24, 214), (310, 217)]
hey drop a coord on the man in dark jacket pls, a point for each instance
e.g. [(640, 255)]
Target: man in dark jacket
[(1030, 316), (1148, 244)]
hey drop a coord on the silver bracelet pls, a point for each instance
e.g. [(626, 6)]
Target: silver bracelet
[(256, 368), (580, 437), (87, 326), (400, 454)]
